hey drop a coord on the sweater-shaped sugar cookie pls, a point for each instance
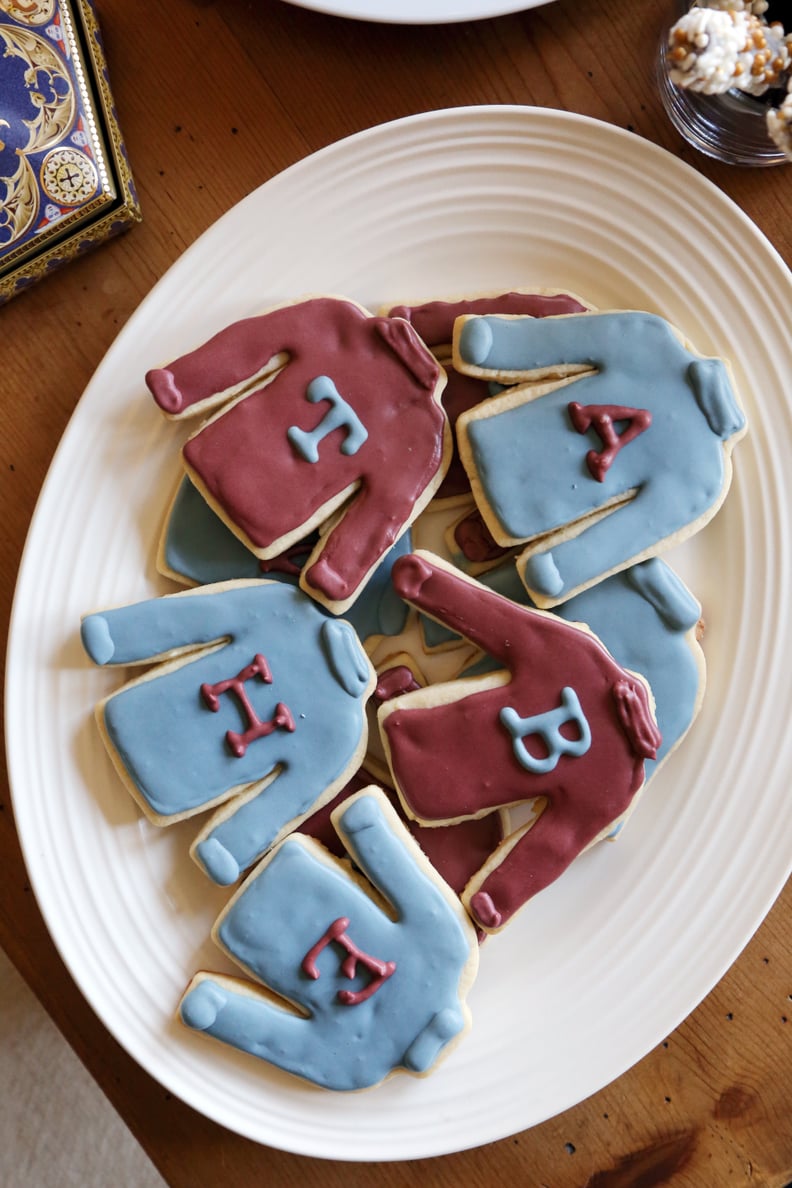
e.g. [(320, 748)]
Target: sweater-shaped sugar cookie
[(562, 721), (646, 618), (328, 417), (350, 993), (626, 450), (255, 703)]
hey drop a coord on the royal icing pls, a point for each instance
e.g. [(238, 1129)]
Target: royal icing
[(434, 322), (362, 993), (255, 706), (197, 547), (475, 542), (646, 618), (349, 423), (455, 851), (356, 958), (265, 710), (668, 458), (453, 757)]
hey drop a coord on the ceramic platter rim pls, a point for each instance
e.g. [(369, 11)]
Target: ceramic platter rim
[(418, 12), (610, 959)]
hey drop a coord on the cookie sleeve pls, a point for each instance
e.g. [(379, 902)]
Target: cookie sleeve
[(227, 364), (519, 345), (159, 627), (465, 606), (576, 562), (360, 994)]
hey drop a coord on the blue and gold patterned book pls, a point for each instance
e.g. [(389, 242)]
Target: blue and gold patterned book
[(65, 183)]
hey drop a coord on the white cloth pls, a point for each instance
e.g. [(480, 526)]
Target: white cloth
[(57, 1128)]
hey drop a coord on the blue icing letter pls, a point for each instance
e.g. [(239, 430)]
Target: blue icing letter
[(547, 727), (363, 994), (645, 617), (270, 697), (531, 460), (340, 415)]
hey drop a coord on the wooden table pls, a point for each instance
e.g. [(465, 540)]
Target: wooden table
[(213, 100)]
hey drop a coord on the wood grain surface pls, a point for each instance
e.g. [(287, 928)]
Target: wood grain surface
[(214, 98)]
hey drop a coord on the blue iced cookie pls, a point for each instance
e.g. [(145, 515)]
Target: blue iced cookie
[(619, 445), (254, 706), (346, 992)]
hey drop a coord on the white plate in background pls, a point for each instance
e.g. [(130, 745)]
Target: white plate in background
[(418, 12)]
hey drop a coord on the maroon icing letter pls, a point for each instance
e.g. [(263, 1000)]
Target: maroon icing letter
[(600, 417), (257, 728), (382, 970)]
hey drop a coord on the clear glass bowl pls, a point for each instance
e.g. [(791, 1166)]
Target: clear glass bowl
[(730, 127)]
